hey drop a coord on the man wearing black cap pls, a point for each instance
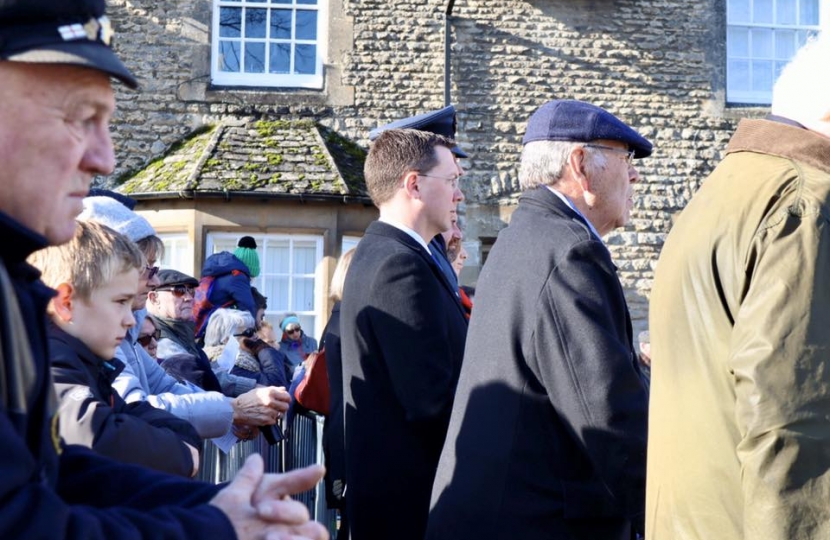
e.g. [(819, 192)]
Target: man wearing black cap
[(548, 431), (55, 105)]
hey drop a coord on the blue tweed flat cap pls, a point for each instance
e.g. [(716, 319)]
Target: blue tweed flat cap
[(571, 120), (441, 122)]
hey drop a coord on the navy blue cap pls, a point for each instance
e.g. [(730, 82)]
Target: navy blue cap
[(74, 32), (441, 122), (571, 120)]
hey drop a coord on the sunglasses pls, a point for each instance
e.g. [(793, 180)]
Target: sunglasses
[(292, 330), (179, 290), (151, 271), (147, 338), (248, 333)]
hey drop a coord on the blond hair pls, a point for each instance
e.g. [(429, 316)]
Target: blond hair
[(94, 256), (339, 277)]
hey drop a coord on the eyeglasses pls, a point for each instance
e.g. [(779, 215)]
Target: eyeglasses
[(629, 154), (147, 338), (248, 333), (151, 271), (179, 290), (453, 181), (292, 330)]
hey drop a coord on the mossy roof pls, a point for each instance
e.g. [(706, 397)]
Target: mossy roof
[(260, 157)]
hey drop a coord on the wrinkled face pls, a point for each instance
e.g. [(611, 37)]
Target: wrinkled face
[(102, 321), (147, 337), (54, 138), (613, 187), (440, 194), (172, 302)]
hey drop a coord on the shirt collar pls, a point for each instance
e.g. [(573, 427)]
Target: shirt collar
[(575, 209), (400, 226)]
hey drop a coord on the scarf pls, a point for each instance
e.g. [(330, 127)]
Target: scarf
[(182, 332)]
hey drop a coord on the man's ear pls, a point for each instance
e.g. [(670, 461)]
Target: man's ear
[(411, 185), (577, 163), (152, 297), (63, 302)]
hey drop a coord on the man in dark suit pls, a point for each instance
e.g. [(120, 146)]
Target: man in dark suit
[(548, 431), (402, 332)]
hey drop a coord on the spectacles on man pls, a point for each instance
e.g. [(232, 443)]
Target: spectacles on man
[(453, 180), (150, 271), (179, 290), (248, 333), (145, 339), (629, 154), (292, 330)]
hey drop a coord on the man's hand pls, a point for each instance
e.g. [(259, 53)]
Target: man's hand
[(261, 406), (276, 519), (277, 487)]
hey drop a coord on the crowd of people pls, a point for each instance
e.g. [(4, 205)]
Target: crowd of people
[(519, 409)]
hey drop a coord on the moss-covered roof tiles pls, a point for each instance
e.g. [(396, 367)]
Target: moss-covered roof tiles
[(263, 157)]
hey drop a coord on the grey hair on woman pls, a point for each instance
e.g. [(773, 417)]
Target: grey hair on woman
[(224, 323)]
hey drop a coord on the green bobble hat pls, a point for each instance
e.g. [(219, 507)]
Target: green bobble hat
[(246, 252)]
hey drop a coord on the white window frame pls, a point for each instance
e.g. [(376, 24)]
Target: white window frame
[(310, 318), (763, 96), (280, 80), (178, 252)]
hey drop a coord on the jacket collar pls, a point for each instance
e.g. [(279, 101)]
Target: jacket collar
[(111, 368), (384, 229), (541, 196), (782, 140), (18, 241)]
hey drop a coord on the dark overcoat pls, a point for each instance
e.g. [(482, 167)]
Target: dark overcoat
[(548, 432), (402, 336)]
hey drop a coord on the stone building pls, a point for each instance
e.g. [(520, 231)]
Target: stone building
[(347, 66)]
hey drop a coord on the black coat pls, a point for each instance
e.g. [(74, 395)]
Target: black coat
[(402, 330), (92, 414), (548, 431), (333, 430)]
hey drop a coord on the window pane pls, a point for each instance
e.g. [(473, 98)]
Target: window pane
[(803, 36), (307, 322), (784, 44), (737, 11), (762, 11), (224, 244), (762, 75), (229, 56), (306, 24), (303, 294), (280, 1), (779, 67), (307, 2), (305, 59), (305, 257), (254, 57), (280, 24), (280, 58), (255, 23), (230, 22), (276, 290), (737, 75), (276, 257), (809, 12), (785, 11), (761, 43), (737, 42)]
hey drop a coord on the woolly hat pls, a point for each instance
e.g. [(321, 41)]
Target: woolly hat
[(246, 252), (107, 211), (290, 319)]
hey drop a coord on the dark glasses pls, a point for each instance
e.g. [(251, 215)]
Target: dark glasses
[(151, 271), (178, 290), (248, 333), (293, 330), (147, 338)]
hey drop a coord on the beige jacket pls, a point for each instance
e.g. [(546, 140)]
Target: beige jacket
[(739, 429)]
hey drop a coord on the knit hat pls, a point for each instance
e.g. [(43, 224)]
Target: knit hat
[(246, 252), (291, 319), (107, 211)]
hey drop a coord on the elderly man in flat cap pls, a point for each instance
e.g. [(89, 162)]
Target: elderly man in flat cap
[(56, 101), (547, 437)]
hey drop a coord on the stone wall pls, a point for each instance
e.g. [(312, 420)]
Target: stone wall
[(658, 64)]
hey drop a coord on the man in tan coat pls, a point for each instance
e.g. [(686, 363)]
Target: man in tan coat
[(739, 431)]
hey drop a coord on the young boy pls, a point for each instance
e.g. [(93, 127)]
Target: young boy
[(96, 276)]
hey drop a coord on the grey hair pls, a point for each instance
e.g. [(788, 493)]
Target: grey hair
[(800, 93), (224, 323), (543, 162)]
